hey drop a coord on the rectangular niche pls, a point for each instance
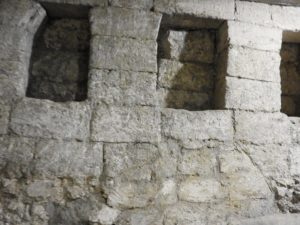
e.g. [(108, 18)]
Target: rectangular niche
[(60, 55), (290, 74), (187, 59)]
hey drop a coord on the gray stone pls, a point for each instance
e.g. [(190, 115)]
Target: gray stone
[(286, 17), (192, 128), (201, 162), (196, 189), (272, 160), (167, 193), (253, 64), (4, 118), (125, 22), (178, 99), (123, 53), (148, 216), (125, 124), (276, 219), (17, 156), (240, 94), (68, 159), (43, 118), (105, 216), (121, 158), (251, 36), (192, 46), (44, 189), (122, 87), (262, 128), (295, 129), (186, 76), (136, 4), (221, 9), (237, 169), (295, 160), (78, 2)]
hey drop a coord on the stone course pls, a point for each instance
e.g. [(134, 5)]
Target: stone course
[(190, 113)]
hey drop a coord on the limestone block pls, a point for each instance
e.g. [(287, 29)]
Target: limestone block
[(252, 95), (105, 216), (167, 193), (150, 215), (242, 179), (186, 76), (192, 128), (122, 87), (165, 6), (68, 159), (123, 53), (252, 64), (121, 158), (251, 36), (43, 118), (185, 213), (295, 160), (262, 128), (195, 189), (4, 118), (131, 195), (44, 189), (277, 219), (272, 160), (136, 4), (286, 17), (178, 99), (192, 46), (253, 12), (125, 124), (221, 9), (123, 22), (201, 162), (17, 156)]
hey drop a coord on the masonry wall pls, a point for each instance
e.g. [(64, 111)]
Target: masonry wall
[(224, 152)]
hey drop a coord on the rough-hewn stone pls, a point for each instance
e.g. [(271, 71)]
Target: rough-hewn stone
[(146, 4), (4, 118), (125, 124), (192, 128), (125, 23), (43, 118), (122, 87), (123, 53)]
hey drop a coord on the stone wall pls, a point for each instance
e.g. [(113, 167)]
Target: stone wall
[(182, 123)]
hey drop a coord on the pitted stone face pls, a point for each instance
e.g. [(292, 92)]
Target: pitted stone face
[(59, 62)]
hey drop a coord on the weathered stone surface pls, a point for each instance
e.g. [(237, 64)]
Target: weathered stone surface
[(4, 118), (186, 76), (120, 159), (185, 213), (192, 128), (196, 189), (287, 18), (148, 216), (131, 195), (192, 46), (262, 128), (252, 64), (188, 100), (146, 4), (251, 36), (201, 162), (125, 23), (68, 159), (295, 129), (123, 53), (271, 160), (237, 169), (220, 9), (167, 194), (165, 6), (122, 87), (43, 118), (125, 124), (240, 95), (252, 12), (276, 219), (105, 216), (17, 156), (44, 189)]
